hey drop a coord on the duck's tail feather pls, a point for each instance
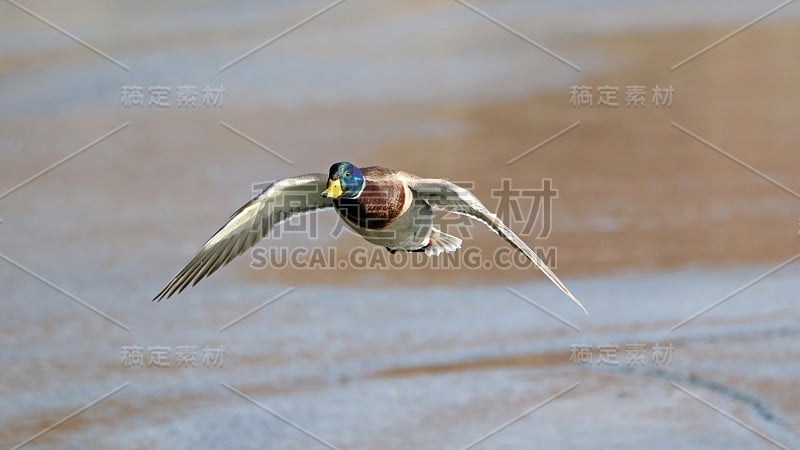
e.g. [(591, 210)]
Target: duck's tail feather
[(442, 243)]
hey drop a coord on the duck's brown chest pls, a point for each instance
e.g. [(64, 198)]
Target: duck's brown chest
[(378, 205)]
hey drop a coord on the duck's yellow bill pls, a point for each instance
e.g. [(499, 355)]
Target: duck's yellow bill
[(334, 189)]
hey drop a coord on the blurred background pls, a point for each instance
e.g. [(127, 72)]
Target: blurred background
[(130, 131)]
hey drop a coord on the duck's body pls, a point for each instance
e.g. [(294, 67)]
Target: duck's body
[(386, 212), (379, 203), (387, 207)]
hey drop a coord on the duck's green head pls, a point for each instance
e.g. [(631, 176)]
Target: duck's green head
[(344, 180)]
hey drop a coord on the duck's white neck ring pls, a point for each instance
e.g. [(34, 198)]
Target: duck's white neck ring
[(363, 185)]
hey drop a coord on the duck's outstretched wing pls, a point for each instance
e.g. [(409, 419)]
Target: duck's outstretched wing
[(450, 197), (277, 203)]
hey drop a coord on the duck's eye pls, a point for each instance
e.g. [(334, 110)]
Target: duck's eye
[(348, 174)]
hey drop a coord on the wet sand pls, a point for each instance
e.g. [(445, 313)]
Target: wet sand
[(421, 367)]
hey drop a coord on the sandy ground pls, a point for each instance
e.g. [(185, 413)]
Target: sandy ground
[(413, 368), (650, 226)]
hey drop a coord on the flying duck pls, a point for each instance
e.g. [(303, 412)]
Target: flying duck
[(390, 208)]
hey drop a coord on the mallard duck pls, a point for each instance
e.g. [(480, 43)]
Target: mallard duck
[(390, 208)]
